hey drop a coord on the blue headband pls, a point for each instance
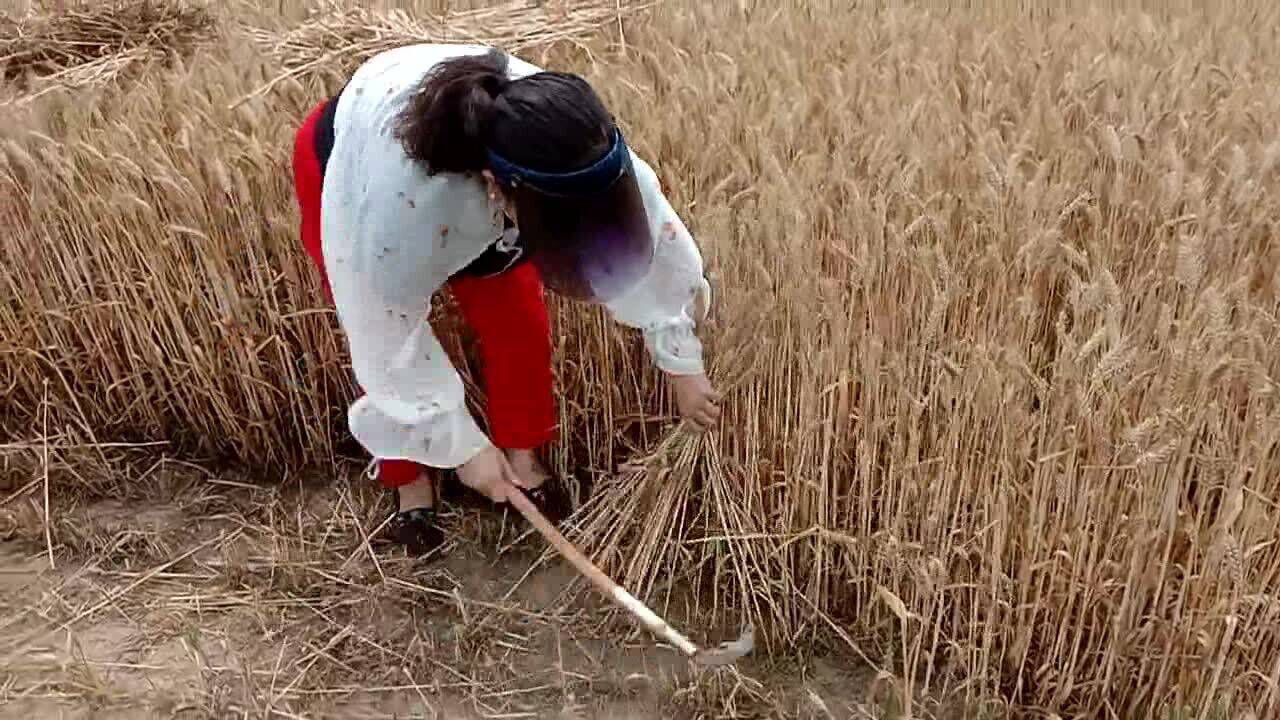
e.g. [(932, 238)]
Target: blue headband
[(592, 179)]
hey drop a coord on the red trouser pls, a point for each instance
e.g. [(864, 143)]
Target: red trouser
[(507, 312)]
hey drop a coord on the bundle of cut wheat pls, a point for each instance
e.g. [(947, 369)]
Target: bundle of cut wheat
[(96, 43), (343, 37)]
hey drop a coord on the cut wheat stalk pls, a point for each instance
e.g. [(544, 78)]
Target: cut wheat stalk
[(726, 653), (90, 45), (348, 36)]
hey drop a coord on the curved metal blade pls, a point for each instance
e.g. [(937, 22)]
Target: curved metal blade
[(727, 653)]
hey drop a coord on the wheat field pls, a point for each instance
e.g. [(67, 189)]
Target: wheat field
[(997, 316)]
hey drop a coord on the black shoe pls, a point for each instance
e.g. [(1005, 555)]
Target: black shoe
[(551, 497), (552, 500), (416, 529)]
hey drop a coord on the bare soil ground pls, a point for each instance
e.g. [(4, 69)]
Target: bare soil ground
[(201, 595)]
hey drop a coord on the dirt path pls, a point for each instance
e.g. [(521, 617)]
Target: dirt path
[(204, 596)]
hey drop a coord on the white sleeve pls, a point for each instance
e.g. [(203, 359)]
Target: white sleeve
[(383, 269), (674, 296)]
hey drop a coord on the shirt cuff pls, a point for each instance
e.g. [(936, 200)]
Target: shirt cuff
[(441, 440), (675, 348)]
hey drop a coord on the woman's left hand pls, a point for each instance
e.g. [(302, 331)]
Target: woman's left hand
[(698, 402)]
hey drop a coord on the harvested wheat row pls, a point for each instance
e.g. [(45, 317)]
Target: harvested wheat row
[(996, 313)]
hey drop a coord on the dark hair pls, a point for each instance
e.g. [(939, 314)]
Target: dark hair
[(546, 121)]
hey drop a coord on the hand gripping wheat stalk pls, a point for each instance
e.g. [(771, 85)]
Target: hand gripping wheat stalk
[(724, 654)]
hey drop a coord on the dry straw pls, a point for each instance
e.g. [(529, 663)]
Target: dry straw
[(342, 37), (92, 43), (996, 309)]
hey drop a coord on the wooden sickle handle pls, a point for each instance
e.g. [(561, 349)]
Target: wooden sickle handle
[(603, 582)]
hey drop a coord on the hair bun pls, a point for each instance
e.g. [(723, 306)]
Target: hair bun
[(446, 124), (495, 83), (478, 103)]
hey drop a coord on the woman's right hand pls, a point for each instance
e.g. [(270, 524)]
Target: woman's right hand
[(489, 473)]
